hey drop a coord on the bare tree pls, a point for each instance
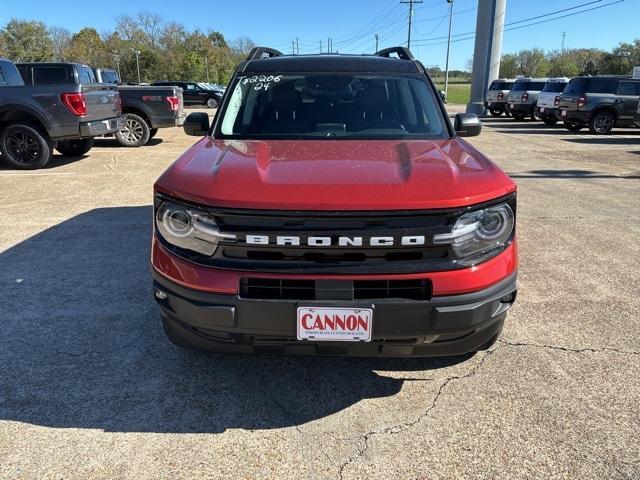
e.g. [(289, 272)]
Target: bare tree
[(61, 40)]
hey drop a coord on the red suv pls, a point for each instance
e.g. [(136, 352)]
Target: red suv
[(332, 208)]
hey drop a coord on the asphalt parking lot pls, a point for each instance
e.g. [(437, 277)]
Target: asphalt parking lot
[(90, 387)]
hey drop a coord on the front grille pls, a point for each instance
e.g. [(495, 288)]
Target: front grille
[(332, 259), (288, 289)]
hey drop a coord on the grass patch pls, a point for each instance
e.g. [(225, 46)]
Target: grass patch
[(458, 92)]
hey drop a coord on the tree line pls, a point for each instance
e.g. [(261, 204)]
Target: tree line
[(165, 50), (572, 62)]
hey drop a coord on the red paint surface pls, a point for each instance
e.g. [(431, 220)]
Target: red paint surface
[(334, 175), (191, 275)]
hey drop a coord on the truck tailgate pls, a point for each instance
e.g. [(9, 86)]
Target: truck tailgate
[(103, 102)]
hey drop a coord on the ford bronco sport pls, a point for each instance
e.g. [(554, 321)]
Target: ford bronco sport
[(523, 97), (496, 98), (601, 102), (549, 99), (332, 208)]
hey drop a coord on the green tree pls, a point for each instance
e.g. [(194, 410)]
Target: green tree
[(26, 41), (87, 47)]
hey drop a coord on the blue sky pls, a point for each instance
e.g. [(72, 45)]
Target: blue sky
[(353, 23)]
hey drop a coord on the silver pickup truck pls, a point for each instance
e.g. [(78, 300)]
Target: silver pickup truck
[(36, 119)]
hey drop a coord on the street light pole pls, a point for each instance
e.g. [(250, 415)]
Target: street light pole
[(137, 52), (377, 38), (446, 68)]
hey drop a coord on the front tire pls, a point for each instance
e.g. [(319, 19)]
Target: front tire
[(602, 123), (212, 102), (535, 115), (75, 147), (136, 131), (573, 126), (25, 147)]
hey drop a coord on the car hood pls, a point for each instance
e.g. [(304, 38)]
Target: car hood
[(334, 174)]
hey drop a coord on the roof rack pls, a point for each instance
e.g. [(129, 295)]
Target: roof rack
[(260, 52), (403, 53)]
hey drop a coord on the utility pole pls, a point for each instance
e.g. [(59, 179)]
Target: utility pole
[(137, 53), (563, 35), (328, 45), (377, 38), (411, 3), (297, 46), (117, 59), (446, 68), (293, 47)]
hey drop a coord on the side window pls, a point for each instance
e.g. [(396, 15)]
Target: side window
[(85, 75), (602, 85), (191, 86), (50, 76), (627, 88)]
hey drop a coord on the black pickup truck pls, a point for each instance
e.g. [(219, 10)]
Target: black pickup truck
[(66, 115), (147, 108)]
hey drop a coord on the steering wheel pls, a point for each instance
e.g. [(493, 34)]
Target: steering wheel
[(386, 123)]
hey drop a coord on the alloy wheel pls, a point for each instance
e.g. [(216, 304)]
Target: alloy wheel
[(132, 131), (23, 147)]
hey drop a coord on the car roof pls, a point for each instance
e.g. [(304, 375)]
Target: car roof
[(323, 63), (54, 64)]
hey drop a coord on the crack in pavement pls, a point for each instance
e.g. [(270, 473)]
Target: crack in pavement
[(393, 430), (568, 349)]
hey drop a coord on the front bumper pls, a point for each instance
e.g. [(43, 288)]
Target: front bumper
[(102, 127), (445, 325)]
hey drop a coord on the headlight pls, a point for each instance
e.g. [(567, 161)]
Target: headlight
[(479, 232), (189, 228)]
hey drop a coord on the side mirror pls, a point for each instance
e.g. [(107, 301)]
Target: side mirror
[(467, 125), (196, 124), (443, 95)]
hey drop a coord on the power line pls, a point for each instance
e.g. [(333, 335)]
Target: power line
[(429, 41)]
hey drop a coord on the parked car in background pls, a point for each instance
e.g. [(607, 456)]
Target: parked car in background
[(146, 108), (549, 99), (601, 102), (38, 114), (195, 94), (496, 98), (523, 97)]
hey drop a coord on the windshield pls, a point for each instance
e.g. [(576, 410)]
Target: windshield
[(554, 87), (328, 105)]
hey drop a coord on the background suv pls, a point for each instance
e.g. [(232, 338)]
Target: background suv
[(496, 98), (523, 97), (194, 93), (601, 102), (549, 99)]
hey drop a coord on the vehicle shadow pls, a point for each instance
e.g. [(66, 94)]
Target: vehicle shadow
[(112, 142), (83, 347), (57, 161), (607, 140)]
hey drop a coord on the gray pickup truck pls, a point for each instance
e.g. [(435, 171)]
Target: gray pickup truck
[(66, 116), (147, 108)]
